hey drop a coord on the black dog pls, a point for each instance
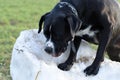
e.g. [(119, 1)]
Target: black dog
[(96, 21)]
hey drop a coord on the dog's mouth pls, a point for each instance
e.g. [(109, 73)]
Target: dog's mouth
[(56, 54)]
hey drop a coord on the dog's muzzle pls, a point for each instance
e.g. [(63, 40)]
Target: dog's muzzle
[(49, 47), (53, 50), (48, 50)]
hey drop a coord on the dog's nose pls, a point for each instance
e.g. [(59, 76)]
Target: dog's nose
[(48, 50)]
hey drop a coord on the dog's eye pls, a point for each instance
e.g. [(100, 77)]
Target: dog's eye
[(56, 37), (47, 34)]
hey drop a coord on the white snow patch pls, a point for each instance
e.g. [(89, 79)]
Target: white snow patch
[(30, 62)]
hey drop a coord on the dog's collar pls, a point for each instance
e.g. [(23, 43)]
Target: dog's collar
[(62, 4)]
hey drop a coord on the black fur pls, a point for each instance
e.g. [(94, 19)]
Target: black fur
[(103, 15)]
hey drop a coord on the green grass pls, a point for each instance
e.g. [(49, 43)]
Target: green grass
[(15, 16)]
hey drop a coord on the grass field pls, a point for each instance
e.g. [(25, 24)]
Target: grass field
[(15, 16)]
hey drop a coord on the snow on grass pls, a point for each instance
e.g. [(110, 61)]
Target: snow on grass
[(30, 62)]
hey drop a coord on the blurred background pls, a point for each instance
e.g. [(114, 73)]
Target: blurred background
[(15, 16)]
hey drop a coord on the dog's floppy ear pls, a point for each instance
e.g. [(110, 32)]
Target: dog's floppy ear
[(41, 21), (74, 24)]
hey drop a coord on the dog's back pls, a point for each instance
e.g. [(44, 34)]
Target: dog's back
[(112, 9)]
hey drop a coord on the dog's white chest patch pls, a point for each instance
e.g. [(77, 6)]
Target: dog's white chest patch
[(87, 31)]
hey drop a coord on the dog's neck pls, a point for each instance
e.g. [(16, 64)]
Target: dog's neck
[(62, 4)]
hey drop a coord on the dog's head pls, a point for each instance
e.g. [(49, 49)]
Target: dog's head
[(59, 28)]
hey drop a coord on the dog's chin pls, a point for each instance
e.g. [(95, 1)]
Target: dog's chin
[(56, 54)]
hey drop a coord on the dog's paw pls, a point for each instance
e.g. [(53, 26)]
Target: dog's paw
[(65, 66), (91, 70)]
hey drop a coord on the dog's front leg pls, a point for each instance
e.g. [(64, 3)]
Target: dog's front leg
[(72, 57), (104, 38)]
